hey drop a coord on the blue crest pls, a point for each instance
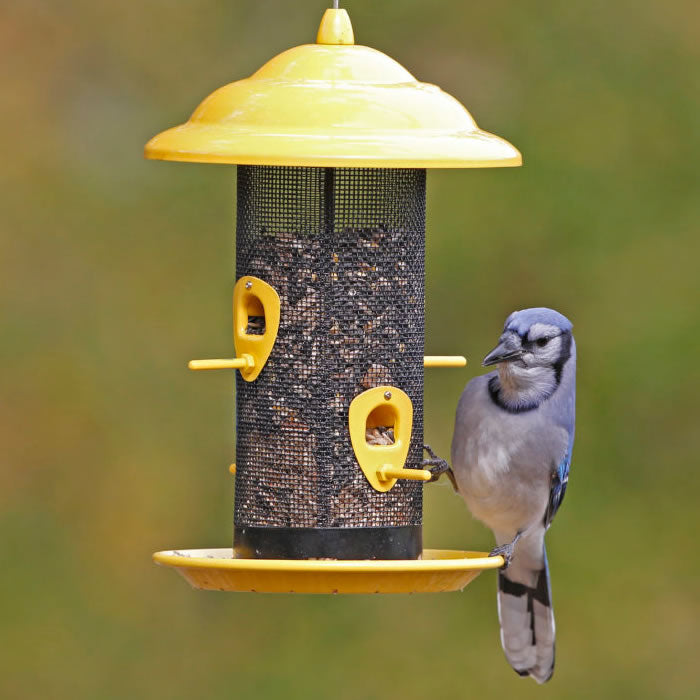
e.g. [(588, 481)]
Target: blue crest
[(522, 321)]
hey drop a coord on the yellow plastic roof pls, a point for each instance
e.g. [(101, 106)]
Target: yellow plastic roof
[(335, 104)]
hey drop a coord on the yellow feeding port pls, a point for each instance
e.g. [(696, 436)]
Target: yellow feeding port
[(336, 104)]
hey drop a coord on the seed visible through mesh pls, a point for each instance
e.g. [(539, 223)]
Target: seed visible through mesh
[(344, 248)]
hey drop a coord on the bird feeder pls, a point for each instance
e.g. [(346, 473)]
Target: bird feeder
[(331, 142)]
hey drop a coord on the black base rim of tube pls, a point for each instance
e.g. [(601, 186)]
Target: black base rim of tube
[(405, 542)]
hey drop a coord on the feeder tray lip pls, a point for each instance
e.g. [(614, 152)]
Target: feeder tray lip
[(440, 570), (333, 105)]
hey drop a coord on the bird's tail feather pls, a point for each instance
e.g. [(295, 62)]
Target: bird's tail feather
[(525, 611)]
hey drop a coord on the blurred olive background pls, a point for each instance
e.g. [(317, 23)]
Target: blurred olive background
[(115, 271)]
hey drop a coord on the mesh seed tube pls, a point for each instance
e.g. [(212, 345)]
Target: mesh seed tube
[(345, 250)]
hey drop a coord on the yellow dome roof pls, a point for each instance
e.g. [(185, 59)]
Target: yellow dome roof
[(333, 104)]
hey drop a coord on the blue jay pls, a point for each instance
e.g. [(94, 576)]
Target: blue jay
[(511, 451)]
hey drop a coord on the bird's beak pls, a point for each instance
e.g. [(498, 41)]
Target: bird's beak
[(503, 352)]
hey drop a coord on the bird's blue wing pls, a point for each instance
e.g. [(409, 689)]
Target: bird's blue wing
[(560, 479)]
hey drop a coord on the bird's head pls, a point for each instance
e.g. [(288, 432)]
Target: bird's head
[(531, 353), (532, 338)]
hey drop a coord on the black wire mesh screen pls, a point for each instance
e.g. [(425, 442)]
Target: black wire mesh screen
[(344, 248)]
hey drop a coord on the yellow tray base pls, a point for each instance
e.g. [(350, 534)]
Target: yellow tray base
[(439, 571)]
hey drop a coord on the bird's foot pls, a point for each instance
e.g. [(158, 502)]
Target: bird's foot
[(437, 467), (505, 551)]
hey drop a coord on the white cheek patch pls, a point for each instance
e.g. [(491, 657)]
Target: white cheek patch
[(542, 330), (547, 354), (552, 350)]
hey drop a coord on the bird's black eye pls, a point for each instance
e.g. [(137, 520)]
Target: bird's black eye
[(541, 342)]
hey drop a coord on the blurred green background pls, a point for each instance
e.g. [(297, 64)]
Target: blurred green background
[(115, 271)]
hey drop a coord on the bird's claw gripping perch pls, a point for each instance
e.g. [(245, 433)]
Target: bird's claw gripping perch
[(438, 466), (435, 465), (505, 551)]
